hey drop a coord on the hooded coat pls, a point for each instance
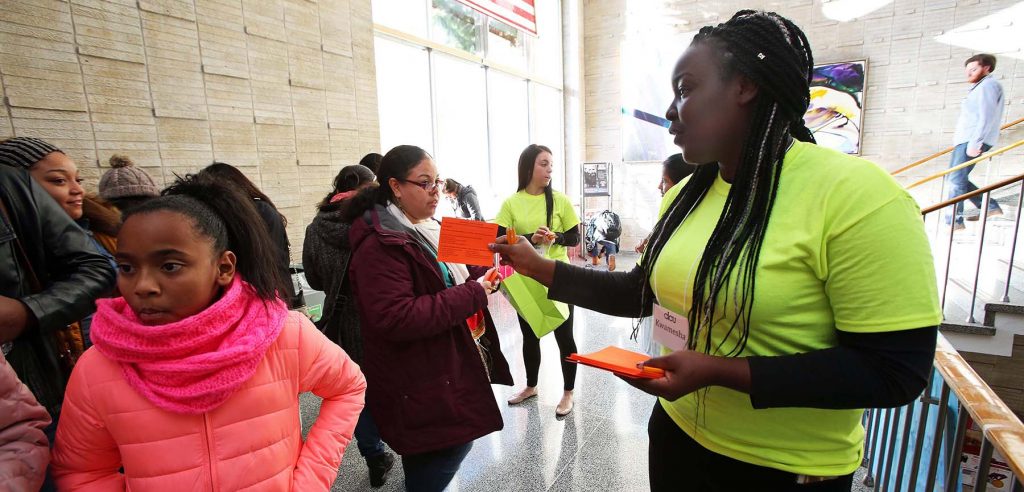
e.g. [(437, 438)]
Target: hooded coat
[(426, 380)]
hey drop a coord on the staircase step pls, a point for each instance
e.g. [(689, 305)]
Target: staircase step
[(1001, 307), (967, 328)]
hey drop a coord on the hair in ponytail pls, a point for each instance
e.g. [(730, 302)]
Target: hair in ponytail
[(452, 186), (348, 179), (774, 54), (226, 216), (397, 163), (226, 173), (527, 161)]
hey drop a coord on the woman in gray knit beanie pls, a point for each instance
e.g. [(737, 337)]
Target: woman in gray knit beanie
[(125, 185)]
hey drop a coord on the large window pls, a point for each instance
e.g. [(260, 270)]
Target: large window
[(507, 106), (477, 107), (403, 95), (546, 49), (408, 16), (456, 25), (460, 120), (546, 127), (506, 45)]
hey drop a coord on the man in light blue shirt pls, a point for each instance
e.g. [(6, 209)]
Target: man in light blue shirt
[(977, 131)]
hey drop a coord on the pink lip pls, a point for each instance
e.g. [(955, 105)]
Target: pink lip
[(149, 315)]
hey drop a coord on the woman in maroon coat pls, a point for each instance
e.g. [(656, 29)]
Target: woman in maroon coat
[(428, 379)]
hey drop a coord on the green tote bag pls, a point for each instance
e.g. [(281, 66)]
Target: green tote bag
[(530, 299)]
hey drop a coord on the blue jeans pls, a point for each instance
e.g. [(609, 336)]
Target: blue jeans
[(86, 325), (367, 437), (51, 435), (959, 182), (433, 471), (608, 246)]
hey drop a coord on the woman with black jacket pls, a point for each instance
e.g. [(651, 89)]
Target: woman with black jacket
[(325, 257), (51, 271)]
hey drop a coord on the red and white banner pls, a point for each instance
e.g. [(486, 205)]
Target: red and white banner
[(518, 13)]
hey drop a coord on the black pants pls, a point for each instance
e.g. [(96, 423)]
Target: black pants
[(566, 346), (677, 462)]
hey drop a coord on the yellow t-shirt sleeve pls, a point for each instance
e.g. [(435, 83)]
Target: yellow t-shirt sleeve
[(504, 218), (881, 274), (567, 212)]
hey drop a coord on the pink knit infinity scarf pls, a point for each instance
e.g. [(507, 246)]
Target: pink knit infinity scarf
[(194, 365)]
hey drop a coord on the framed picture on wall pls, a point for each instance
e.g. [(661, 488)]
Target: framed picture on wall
[(836, 112)]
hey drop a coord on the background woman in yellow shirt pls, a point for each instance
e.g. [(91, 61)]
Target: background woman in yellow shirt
[(550, 222)]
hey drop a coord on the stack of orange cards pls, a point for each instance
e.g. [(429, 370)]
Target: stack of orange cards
[(619, 361)]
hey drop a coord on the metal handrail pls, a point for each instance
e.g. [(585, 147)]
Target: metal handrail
[(998, 423), (987, 155), (967, 196), (913, 441), (944, 152)]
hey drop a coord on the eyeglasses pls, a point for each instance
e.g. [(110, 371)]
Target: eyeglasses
[(428, 187)]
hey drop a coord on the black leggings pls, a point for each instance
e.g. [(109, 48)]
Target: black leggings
[(677, 462), (566, 346)]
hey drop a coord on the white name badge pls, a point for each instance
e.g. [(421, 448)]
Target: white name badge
[(670, 329)]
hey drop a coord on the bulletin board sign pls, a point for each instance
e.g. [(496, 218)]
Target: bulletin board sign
[(597, 179)]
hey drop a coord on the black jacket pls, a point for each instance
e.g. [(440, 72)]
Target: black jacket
[(325, 256), (467, 205), (275, 225), (72, 272)]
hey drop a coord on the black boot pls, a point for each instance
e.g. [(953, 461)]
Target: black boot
[(379, 467)]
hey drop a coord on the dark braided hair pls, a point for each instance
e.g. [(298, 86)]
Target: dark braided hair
[(775, 55)]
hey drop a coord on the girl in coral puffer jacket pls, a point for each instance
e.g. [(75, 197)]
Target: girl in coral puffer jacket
[(194, 378)]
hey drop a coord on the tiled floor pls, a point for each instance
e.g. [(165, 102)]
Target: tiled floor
[(602, 445)]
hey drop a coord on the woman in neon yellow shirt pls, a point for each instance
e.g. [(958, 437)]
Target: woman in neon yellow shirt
[(552, 223), (801, 278)]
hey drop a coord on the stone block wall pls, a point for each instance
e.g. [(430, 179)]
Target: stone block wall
[(285, 89)]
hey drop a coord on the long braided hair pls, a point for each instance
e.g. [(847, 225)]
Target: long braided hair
[(773, 53)]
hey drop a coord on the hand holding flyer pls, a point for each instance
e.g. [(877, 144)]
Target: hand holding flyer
[(466, 241)]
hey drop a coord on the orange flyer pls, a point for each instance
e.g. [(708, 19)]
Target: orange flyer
[(619, 361), (465, 241)]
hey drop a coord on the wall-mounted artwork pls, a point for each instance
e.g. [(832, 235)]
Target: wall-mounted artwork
[(837, 105)]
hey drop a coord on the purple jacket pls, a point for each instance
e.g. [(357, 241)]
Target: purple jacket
[(426, 382)]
